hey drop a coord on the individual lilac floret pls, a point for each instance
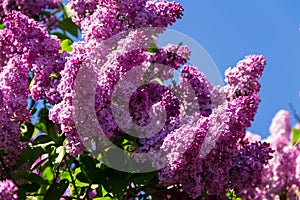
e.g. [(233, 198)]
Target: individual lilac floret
[(8, 190)]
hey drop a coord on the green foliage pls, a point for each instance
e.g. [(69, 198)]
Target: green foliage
[(2, 26), (56, 190), (66, 45), (232, 196), (152, 47), (295, 136), (68, 25)]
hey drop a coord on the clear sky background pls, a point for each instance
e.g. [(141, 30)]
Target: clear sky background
[(229, 30)]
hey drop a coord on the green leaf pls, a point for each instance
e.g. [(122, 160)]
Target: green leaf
[(65, 175), (158, 81), (48, 174), (66, 45), (83, 178), (43, 141), (31, 177), (68, 25), (88, 168), (41, 145), (104, 198), (31, 187), (2, 152), (56, 190), (67, 11), (61, 36), (152, 48), (52, 131), (29, 155), (41, 126), (27, 131), (295, 136), (144, 178), (21, 194), (115, 181), (2, 26), (61, 151)]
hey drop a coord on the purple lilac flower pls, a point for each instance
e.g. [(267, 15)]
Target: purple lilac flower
[(31, 8), (8, 190), (102, 19), (14, 92), (29, 45), (242, 80), (226, 160), (280, 179)]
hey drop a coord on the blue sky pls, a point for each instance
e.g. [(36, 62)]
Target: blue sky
[(229, 30)]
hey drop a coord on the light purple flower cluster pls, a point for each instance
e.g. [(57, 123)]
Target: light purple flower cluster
[(8, 190), (226, 156), (243, 79), (26, 39), (62, 112), (281, 178), (30, 8), (102, 19), (24, 47), (13, 102)]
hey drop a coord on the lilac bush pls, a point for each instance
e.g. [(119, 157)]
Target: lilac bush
[(42, 152)]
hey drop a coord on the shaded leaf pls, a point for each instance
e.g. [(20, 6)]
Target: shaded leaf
[(56, 190), (68, 25), (31, 177)]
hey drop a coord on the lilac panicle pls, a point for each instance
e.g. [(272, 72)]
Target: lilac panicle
[(243, 79), (27, 39), (31, 8)]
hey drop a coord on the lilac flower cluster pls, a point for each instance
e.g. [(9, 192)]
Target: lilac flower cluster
[(230, 158), (102, 19), (243, 79), (62, 112), (224, 156), (13, 101), (8, 190), (22, 49), (281, 178), (29, 46), (30, 8)]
